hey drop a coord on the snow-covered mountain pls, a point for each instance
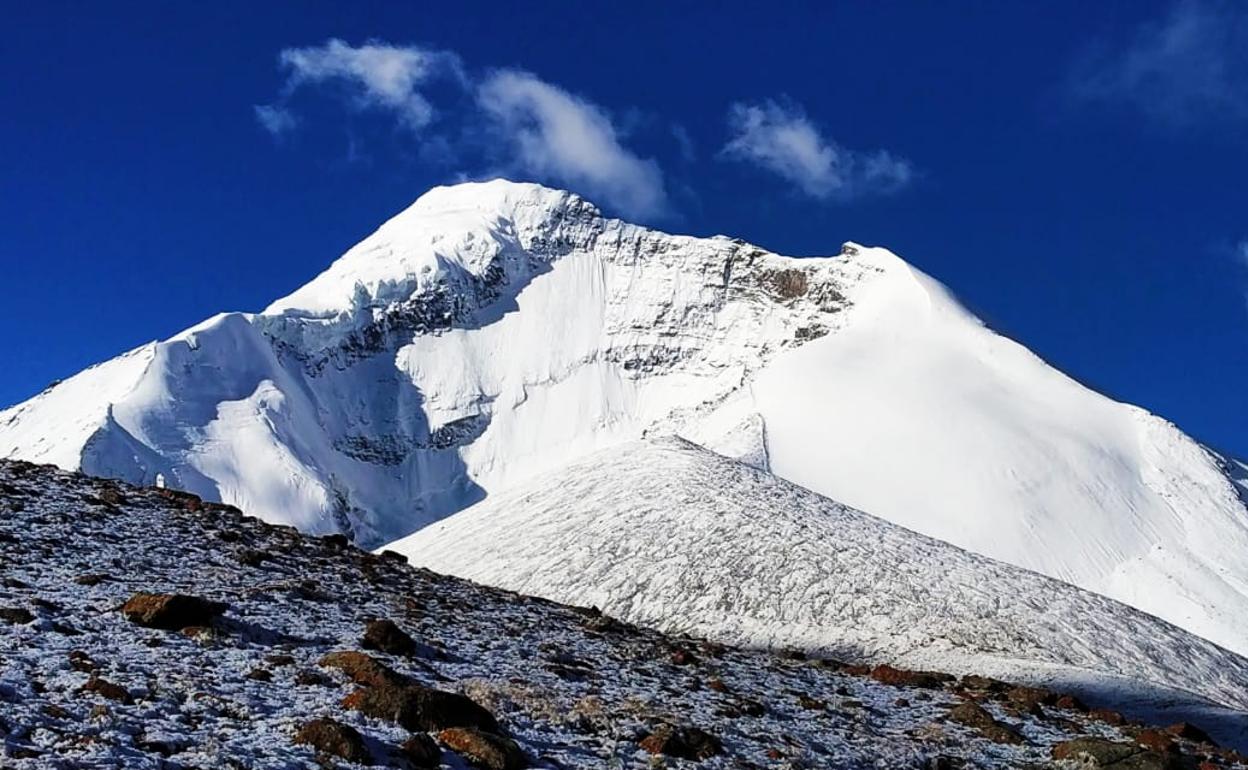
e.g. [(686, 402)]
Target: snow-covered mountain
[(666, 534), (494, 331)]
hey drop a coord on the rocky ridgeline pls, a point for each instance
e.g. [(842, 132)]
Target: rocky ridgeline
[(146, 628)]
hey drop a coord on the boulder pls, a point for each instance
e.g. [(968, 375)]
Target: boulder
[(682, 742), (975, 716), (421, 751), (1070, 703), (362, 668), (1029, 698), (983, 683), (171, 611), (1112, 755), (1156, 740), (420, 708), (484, 749), (333, 738), (900, 677), (386, 636), (16, 615), (1190, 732), (107, 689)]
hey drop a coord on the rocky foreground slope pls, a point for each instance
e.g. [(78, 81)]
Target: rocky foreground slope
[(143, 628)]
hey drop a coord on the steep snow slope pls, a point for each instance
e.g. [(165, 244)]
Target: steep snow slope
[(665, 533), (919, 414), (489, 331), (494, 331)]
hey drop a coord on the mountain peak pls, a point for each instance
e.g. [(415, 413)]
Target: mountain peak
[(503, 198), (493, 331), (451, 234)]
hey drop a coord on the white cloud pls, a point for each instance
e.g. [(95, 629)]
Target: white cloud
[(276, 120), (780, 138), (684, 142), (1191, 65), (562, 137), (533, 127), (377, 75), (1241, 251)]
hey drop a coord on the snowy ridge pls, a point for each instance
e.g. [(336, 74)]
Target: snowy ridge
[(495, 331), (667, 534), (488, 332)]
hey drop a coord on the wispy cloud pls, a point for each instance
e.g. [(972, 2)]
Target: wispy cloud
[(684, 143), (276, 119), (534, 127), (1189, 66), (557, 135), (374, 76), (780, 138)]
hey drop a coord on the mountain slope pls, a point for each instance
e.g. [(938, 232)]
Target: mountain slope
[(296, 643), (494, 331), (667, 534)]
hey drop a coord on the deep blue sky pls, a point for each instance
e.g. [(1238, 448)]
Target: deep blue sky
[(1077, 169)]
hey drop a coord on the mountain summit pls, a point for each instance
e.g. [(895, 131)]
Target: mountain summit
[(495, 331)]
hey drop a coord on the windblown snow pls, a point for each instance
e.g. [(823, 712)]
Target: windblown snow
[(666, 534), (495, 331)]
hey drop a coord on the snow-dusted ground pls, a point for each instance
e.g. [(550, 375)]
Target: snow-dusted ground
[(666, 534), (574, 689), (495, 331)]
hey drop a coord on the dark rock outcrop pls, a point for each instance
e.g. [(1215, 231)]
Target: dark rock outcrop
[(386, 636), (331, 737), (420, 708), (171, 611), (682, 742)]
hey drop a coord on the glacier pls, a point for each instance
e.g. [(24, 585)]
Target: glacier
[(666, 534), (495, 331)]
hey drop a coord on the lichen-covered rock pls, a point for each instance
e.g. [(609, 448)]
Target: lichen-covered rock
[(484, 749), (362, 668)]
